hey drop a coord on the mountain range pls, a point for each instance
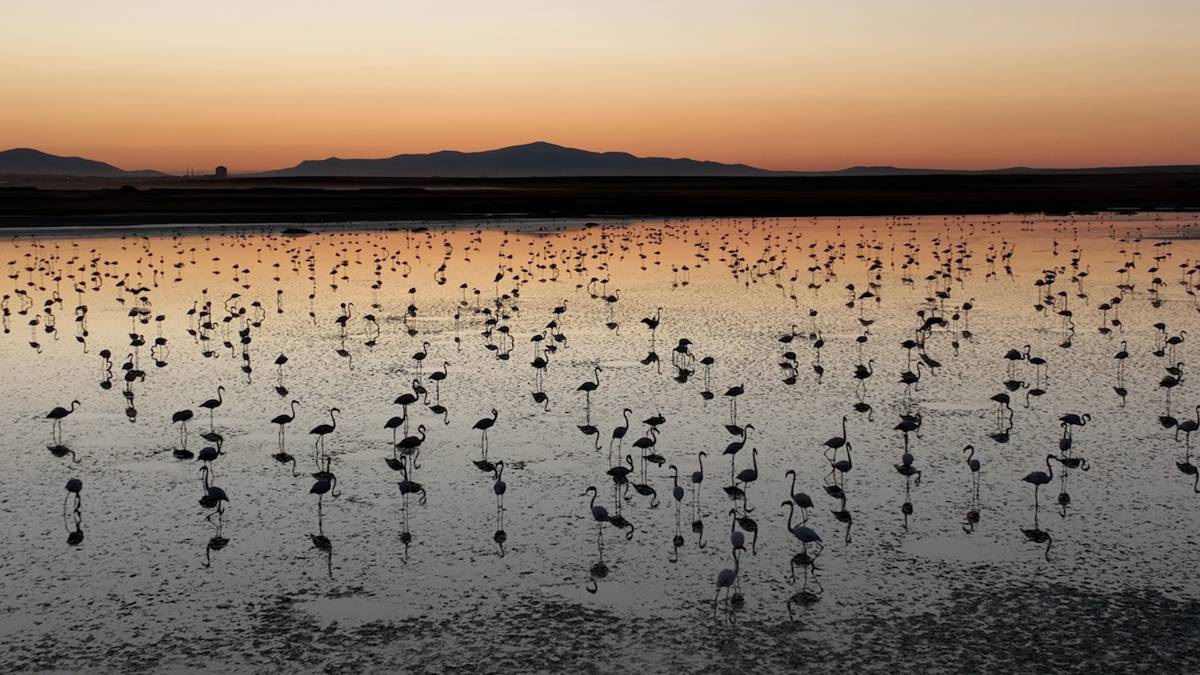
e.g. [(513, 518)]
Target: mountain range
[(539, 159), (518, 161), (27, 161)]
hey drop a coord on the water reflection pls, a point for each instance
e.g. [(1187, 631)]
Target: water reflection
[(408, 487), (1039, 536), (324, 545), (900, 317), (62, 451), (1188, 469), (500, 488), (215, 543), (906, 507)]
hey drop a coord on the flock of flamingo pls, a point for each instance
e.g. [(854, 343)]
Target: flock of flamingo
[(576, 267)]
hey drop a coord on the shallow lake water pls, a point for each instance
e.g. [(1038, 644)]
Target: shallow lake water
[(943, 570)]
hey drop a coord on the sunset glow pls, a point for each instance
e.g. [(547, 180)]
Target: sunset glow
[(777, 84)]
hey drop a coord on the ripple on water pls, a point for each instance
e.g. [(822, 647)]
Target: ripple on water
[(902, 586)]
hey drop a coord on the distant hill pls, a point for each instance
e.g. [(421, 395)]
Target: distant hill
[(1012, 170), (30, 162), (538, 159), (518, 161), (543, 159)]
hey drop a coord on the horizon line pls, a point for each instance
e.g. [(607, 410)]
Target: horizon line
[(183, 172)]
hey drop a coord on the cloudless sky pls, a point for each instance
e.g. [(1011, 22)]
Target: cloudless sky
[(800, 84)]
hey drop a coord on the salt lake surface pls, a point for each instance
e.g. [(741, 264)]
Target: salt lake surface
[(944, 570)]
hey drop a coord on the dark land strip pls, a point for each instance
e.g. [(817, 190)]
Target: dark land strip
[(307, 200)]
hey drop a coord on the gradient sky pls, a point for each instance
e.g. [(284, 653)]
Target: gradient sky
[(789, 84)]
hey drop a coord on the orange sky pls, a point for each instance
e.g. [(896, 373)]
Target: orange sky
[(776, 83)]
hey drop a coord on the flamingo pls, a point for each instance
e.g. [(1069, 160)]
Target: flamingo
[(727, 577), (801, 499), (842, 466), (284, 420), (803, 533), (213, 403), (57, 414), (499, 486), (747, 476), (677, 491), (588, 387), (837, 442), (322, 430), (1040, 478), (74, 487), (181, 418), (482, 426), (213, 495), (618, 433), (733, 448)]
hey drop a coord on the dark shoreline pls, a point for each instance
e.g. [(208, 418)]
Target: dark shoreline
[(314, 200)]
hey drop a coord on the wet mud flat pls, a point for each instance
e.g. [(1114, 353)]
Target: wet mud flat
[(1029, 628)]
